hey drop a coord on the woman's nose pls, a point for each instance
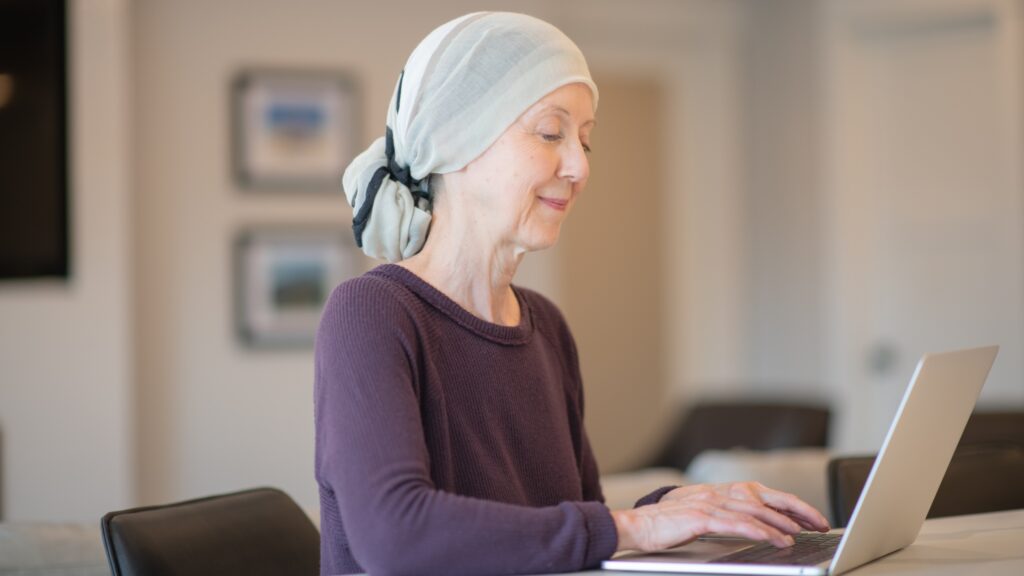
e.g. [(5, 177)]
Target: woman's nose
[(575, 164)]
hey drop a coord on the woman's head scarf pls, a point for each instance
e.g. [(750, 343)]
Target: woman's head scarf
[(461, 88)]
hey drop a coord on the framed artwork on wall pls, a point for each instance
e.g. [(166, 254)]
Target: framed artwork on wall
[(35, 185), (293, 130), (283, 276)]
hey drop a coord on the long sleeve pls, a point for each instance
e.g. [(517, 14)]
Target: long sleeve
[(372, 456)]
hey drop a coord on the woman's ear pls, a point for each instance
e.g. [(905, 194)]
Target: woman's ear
[(437, 185)]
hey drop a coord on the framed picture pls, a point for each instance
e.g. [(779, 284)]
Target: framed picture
[(283, 277), (293, 130), (35, 194)]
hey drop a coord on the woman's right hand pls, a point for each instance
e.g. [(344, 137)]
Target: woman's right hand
[(693, 512)]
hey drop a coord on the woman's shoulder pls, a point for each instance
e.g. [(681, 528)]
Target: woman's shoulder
[(368, 288), (550, 323), (539, 303), (370, 298), (547, 317)]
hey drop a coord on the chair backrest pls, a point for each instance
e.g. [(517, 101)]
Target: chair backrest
[(980, 478), (253, 532), (751, 425), (986, 427)]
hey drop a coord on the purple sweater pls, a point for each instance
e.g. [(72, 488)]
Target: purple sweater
[(447, 444)]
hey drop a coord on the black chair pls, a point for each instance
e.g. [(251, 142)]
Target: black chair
[(1000, 427), (980, 478), (751, 425), (254, 532)]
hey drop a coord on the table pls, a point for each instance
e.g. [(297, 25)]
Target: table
[(991, 544)]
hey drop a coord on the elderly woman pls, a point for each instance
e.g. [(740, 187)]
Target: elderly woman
[(449, 403)]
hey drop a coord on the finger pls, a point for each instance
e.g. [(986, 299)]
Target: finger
[(732, 524), (766, 515), (796, 508), (811, 516), (803, 523), (790, 504), (771, 533)]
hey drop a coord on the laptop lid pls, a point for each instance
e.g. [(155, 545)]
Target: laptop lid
[(900, 488), (914, 456)]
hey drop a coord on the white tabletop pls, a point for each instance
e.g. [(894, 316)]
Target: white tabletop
[(990, 544)]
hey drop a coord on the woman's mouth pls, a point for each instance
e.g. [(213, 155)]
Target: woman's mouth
[(554, 204)]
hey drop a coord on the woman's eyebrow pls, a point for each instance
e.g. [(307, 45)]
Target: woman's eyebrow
[(563, 112)]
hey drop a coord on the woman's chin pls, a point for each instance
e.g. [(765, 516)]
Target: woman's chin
[(542, 240)]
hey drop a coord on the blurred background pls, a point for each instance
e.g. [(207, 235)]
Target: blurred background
[(790, 201)]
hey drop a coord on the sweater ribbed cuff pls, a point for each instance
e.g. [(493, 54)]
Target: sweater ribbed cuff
[(654, 497), (602, 536)]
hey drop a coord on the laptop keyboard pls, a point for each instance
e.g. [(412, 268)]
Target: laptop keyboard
[(809, 549)]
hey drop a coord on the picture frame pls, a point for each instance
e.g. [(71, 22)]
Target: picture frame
[(36, 192), (293, 130), (283, 276)]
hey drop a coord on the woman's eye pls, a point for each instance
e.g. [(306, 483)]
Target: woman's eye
[(586, 148), (551, 137)]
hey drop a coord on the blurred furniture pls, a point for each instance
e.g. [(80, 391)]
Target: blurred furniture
[(622, 489), (253, 532), (51, 549), (980, 478), (799, 471), (748, 425), (1000, 427)]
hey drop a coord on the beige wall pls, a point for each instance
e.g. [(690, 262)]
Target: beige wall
[(782, 52), (65, 348), (610, 255), (694, 49)]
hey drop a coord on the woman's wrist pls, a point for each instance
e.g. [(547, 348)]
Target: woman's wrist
[(624, 529)]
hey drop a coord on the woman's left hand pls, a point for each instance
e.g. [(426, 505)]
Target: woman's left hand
[(758, 494)]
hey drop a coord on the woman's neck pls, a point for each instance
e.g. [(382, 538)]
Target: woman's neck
[(476, 272)]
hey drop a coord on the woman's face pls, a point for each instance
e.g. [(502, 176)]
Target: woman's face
[(525, 184)]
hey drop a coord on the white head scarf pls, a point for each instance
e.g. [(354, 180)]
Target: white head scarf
[(461, 88)]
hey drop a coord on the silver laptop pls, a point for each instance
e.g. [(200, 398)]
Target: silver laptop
[(894, 502)]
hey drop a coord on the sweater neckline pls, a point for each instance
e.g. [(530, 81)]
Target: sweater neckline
[(509, 335)]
